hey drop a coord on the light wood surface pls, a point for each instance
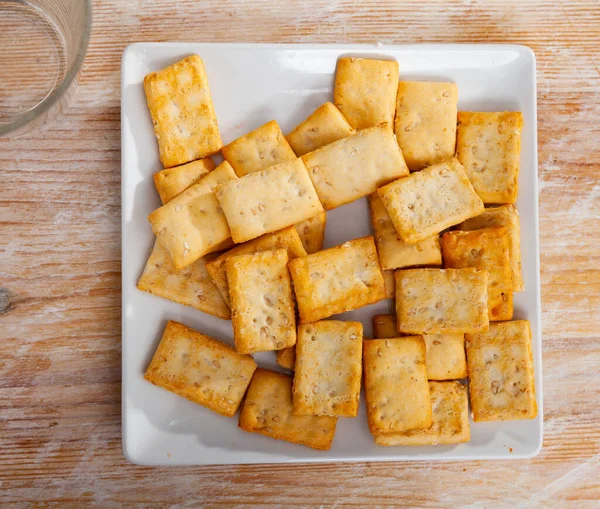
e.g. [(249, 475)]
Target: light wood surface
[(60, 362)]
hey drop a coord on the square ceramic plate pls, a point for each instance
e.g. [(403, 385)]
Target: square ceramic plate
[(250, 85)]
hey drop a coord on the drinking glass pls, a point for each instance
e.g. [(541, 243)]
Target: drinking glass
[(42, 46)]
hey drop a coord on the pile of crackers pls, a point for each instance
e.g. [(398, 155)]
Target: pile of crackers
[(244, 241)]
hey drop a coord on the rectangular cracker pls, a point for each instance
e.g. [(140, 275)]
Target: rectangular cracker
[(450, 405), (312, 232), (396, 387), (507, 216), (441, 301), (286, 357), (390, 285), (267, 410), (174, 181), (262, 301), (446, 358), (324, 126), (365, 91), (488, 145), (393, 252), (191, 286), (201, 369), (384, 327), (501, 379), (356, 166), (259, 149), (268, 200), (337, 279), (445, 352), (485, 249), (328, 368), (192, 224), (425, 124), (429, 201), (182, 112), (286, 238)]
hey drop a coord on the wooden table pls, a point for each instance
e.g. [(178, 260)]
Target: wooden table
[(60, 330)]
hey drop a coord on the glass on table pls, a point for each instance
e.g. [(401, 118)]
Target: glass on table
[(42, 46)]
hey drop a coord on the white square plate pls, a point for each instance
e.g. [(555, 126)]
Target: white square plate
[(252, 84)]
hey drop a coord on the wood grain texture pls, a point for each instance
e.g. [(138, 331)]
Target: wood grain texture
[(60, 302)]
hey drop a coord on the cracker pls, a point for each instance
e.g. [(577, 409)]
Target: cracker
[(328, 368), (337, 279), (393, 252), (365, 91), (441, 301), (286, 357), (287, 238), (501, 380), (267, 410), (356, 166), (262, 301), (268, 200), (384, 326), (488, 249), (489, 146), (390, 286), (259, 149), (450, 406), (445, 356), (312, 232), (191, 286), (396, 387), (193, 224), (324, 126), (182, 112), (201, 369), (507, 216), (173, 181), (429, 201), (425, 124)]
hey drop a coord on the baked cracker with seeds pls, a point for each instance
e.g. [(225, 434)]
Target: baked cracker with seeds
[(201, 369), (182, 112), (267, 410), (262, 301), (172, 182)]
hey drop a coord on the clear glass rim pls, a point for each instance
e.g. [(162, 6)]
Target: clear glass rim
[(57, 94)]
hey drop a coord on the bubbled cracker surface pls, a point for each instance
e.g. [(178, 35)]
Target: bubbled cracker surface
[(312, 232), (356, 166), (328, 368), (365, 91), (259, 149), (437, 301), (425, 124), (489, 146), (500, 368), (173, 181), (337, 280), (193, 224), (268, 200), (396, 387), (507, 216), (191, 286), (450, 413), (268, 407), (200, 369), (325, 125), (487, 249), (431, 200), (286, 238), (262, 303), (393, 252), (182, 112)]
